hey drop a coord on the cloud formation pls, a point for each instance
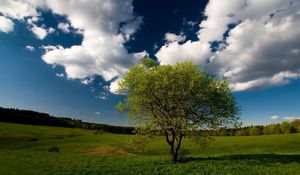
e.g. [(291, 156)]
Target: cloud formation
[(65, 27), (30, 48), (290, 118), (274, 117), (6, 25), (102, 51), (60, 75), (171, 37), (39, 32), (106, 26), (286, 118), (258, 43)]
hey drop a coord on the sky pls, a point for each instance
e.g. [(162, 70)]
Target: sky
[(66, 58)]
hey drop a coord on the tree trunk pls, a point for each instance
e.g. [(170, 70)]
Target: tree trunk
[(173, 154), (174, 146), (178, 146)]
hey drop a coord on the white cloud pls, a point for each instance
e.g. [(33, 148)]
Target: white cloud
[(30, 48), (61, 75), (171, 37), (19, 9), (191, 23), (6, 25), (261, 50), (274, 117), (114, 86), (65, 27), (131, 27), (24, 9), (87, 81), (102, 95), (102, 50), (290, 118), (39, 32), (98, 113), (287, 118), (51, 30), (172, 53)]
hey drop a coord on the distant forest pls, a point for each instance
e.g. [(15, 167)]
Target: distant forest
[(36, 118), (285, 127), (12, 115)]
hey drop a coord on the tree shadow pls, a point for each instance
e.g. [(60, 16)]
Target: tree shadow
[(250, 158)]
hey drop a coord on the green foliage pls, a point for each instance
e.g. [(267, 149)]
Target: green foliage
[(285, 127), (242, 132), (176, 101), (255, 131), (121, 107), (272, 129), (148, 62), (296, 125)]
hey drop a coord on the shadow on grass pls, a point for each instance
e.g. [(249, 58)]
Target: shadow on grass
[(250, 158)]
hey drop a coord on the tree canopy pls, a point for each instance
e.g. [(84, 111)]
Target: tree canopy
[(176, 100)]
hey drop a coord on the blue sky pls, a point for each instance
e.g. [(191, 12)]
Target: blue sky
[(66, 59)]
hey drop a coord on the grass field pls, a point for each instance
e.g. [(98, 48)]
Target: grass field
[(24, 149)]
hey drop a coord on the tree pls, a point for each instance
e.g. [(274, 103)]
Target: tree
[(296, 125), (241, 132), (285, 127), (255, 130), (177, 101)]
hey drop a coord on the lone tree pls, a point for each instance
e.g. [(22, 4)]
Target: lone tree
[(177, 101)]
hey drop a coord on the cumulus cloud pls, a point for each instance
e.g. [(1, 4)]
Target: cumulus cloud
[(114, 85), (51, 30), (102, 51), (87, 81), (65, 27), (171, 37), (19, 9), (39, 32), (106, 26), (258, 43), (274, 117), (6, 25), (171, 53), (30, 48), (26, 11)]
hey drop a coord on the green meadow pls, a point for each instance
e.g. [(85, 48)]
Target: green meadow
[(26, 149)]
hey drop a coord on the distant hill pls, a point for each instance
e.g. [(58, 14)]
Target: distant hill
[(13, 115)]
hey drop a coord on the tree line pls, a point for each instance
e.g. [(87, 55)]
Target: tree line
[(13, 115), (285, 127)]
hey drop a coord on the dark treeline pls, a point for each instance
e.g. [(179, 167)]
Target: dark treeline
[(286, 127), (36, 118)]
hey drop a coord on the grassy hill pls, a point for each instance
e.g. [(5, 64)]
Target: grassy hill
[(26, 149)]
